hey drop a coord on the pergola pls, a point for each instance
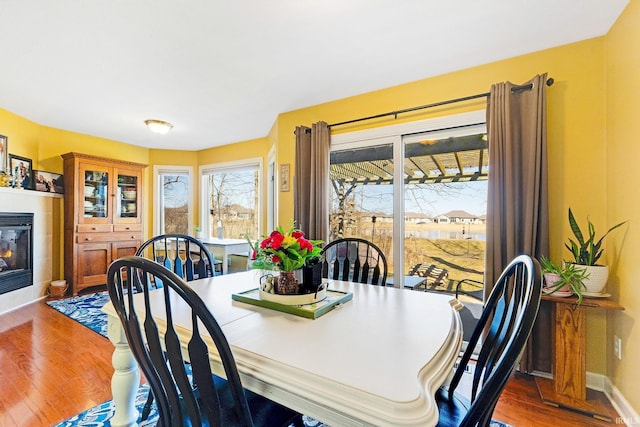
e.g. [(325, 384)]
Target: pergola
[(458, 159)]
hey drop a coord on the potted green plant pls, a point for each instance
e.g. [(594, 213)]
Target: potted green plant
[(586, 251), (566, 278)]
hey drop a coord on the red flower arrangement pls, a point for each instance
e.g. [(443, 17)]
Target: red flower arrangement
[(290, 250)]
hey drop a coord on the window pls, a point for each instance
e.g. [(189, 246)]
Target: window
[(231, 199), (174, 192), (418, 191)]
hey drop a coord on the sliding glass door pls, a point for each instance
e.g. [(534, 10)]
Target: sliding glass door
[(362, 195), (418, 191)]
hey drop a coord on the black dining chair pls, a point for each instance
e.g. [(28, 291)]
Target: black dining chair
[(186, 256), (504, 328), (182, 399), (355, 260)]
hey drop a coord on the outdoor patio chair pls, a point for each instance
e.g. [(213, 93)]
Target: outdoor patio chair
[(504, 328), (471, 288), (434, 276)]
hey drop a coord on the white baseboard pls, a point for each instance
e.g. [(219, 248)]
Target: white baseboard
[(628, 415), (599, 382)]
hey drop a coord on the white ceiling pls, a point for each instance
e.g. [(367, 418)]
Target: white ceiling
[(222, 70)]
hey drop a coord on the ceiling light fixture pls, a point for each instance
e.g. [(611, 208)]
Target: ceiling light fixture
[(158, 126)]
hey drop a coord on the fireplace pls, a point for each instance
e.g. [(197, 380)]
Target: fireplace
[(16, 251)]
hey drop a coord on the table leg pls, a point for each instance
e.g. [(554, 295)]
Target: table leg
[(126, 377), (225, 262)]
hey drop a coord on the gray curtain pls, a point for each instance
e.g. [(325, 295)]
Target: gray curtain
[(311, 180), (517, 211)]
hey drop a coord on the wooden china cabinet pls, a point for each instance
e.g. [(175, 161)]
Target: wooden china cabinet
[(102, 216)]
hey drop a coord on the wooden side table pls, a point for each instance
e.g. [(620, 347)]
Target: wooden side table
[(568, 389)]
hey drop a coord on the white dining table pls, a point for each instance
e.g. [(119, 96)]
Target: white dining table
[(375, 360), (222, 248)]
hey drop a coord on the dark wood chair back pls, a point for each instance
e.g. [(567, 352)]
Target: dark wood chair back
[(186, 256), (504, 327), (158, 351), (354, 260)]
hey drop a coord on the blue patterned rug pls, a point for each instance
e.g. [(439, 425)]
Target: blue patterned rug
[(86, 309)]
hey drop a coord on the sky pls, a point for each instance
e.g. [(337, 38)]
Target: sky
[(428, 199)]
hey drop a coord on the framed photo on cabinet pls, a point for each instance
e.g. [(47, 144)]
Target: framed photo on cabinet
[(21, 171)]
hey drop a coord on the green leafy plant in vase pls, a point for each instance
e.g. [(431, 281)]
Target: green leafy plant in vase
[(566, 278), (586, 250)]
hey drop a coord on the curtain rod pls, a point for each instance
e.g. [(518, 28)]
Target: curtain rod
[(436, 104)]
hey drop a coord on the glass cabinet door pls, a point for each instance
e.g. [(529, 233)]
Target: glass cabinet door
[(95, 194), (127, 196)]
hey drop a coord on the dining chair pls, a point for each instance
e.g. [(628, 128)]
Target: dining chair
[(186, 256), (503, 329), (199, 398), (354, 260)]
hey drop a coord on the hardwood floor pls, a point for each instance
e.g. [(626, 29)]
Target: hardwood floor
[(52, 368)]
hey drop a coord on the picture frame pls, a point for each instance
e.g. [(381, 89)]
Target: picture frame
[(4, 154), (284, 177), (49, 182), (22, 171)]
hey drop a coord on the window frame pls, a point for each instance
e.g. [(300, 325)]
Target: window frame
[(398, 134), (205, 170), (158, 172)]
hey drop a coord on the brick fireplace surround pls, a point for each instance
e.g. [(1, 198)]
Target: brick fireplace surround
[(46, 208)]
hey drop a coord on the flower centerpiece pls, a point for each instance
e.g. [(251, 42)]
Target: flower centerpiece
[(288, 251)]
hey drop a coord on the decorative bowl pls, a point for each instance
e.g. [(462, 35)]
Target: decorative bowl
[(295, 299), (128, 194)]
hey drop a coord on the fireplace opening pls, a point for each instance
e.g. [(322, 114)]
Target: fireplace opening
[(16, 251)]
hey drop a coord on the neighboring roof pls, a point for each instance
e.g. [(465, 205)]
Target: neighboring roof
[(460, 214)]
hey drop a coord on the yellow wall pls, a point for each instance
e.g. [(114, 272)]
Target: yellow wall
[(623, 201), (594, 82)]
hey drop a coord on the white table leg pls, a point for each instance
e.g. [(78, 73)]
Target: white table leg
[(225, 262), (126, 377)]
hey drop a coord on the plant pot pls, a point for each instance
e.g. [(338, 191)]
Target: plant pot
[(550, 280), (597, 280)]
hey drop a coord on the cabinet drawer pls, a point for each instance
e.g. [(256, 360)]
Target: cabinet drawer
[(106, 237), (127, 227), (94, 228)]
